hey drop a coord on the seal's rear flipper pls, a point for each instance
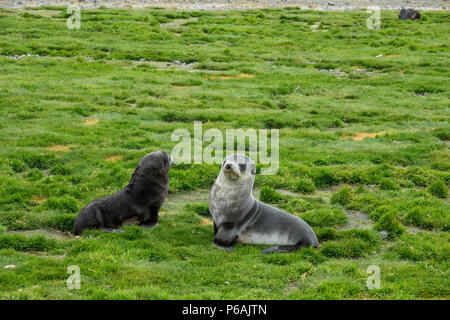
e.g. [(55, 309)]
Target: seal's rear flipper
[(111, 230), (279, 249)]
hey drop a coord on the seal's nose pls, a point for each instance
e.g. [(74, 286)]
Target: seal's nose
[(228, 166)]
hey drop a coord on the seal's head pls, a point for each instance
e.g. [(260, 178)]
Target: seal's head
[(156, 161), (152, 167), (238, 167)]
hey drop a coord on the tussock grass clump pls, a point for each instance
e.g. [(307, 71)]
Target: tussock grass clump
[(192, 177), (343, 196), (34, 174), (414, 207), (351, 244), (65, 203), (325, 217), (434, 218), (60, 169), (269, 195), (22, 243), (442, 133), (37, 160), (62, 222), (388, 184), (202, 209), (305, 185), (325, 234), (324, 178), (439, 189), (17, 165), (423, 247), (389, 222)]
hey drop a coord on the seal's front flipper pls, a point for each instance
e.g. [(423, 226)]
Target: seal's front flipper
[(111, 230), (280, 249), (226, 235), (229, 249)]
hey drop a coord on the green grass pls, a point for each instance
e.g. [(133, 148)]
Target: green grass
[(77, 118)]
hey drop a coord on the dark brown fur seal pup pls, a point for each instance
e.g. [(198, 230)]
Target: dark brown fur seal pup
[(411, 14), (238, 217), (139, 202)]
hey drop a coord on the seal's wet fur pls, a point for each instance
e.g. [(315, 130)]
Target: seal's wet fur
[(139, 202), (238, 217)]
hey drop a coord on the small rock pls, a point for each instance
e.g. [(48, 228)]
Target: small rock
[(11, 266), (384, 234)]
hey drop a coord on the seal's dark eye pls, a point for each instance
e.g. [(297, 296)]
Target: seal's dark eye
[(242, 167)]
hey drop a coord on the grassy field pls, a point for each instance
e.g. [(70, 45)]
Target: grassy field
[(363, 148)]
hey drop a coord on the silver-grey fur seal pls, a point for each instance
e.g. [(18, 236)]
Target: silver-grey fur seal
[(239, 217)]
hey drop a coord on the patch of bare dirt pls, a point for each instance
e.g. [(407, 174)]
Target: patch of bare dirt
[(175, 202), (357, 220), (60, 235), (415, 230), (291, 286)]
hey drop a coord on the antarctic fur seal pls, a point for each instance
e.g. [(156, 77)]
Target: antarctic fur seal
[(411, 14), (238, 217), (139, 202)]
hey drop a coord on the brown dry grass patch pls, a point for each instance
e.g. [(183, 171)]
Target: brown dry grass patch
[(239, 76), (179, 87), (90, 122), (38, 200), (58, 148), (362, 135), (206, 222), (113, 158)]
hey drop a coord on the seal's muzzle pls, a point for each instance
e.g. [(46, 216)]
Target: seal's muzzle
[(231, 171)]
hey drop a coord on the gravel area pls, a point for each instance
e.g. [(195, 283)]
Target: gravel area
[(424, 5)]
